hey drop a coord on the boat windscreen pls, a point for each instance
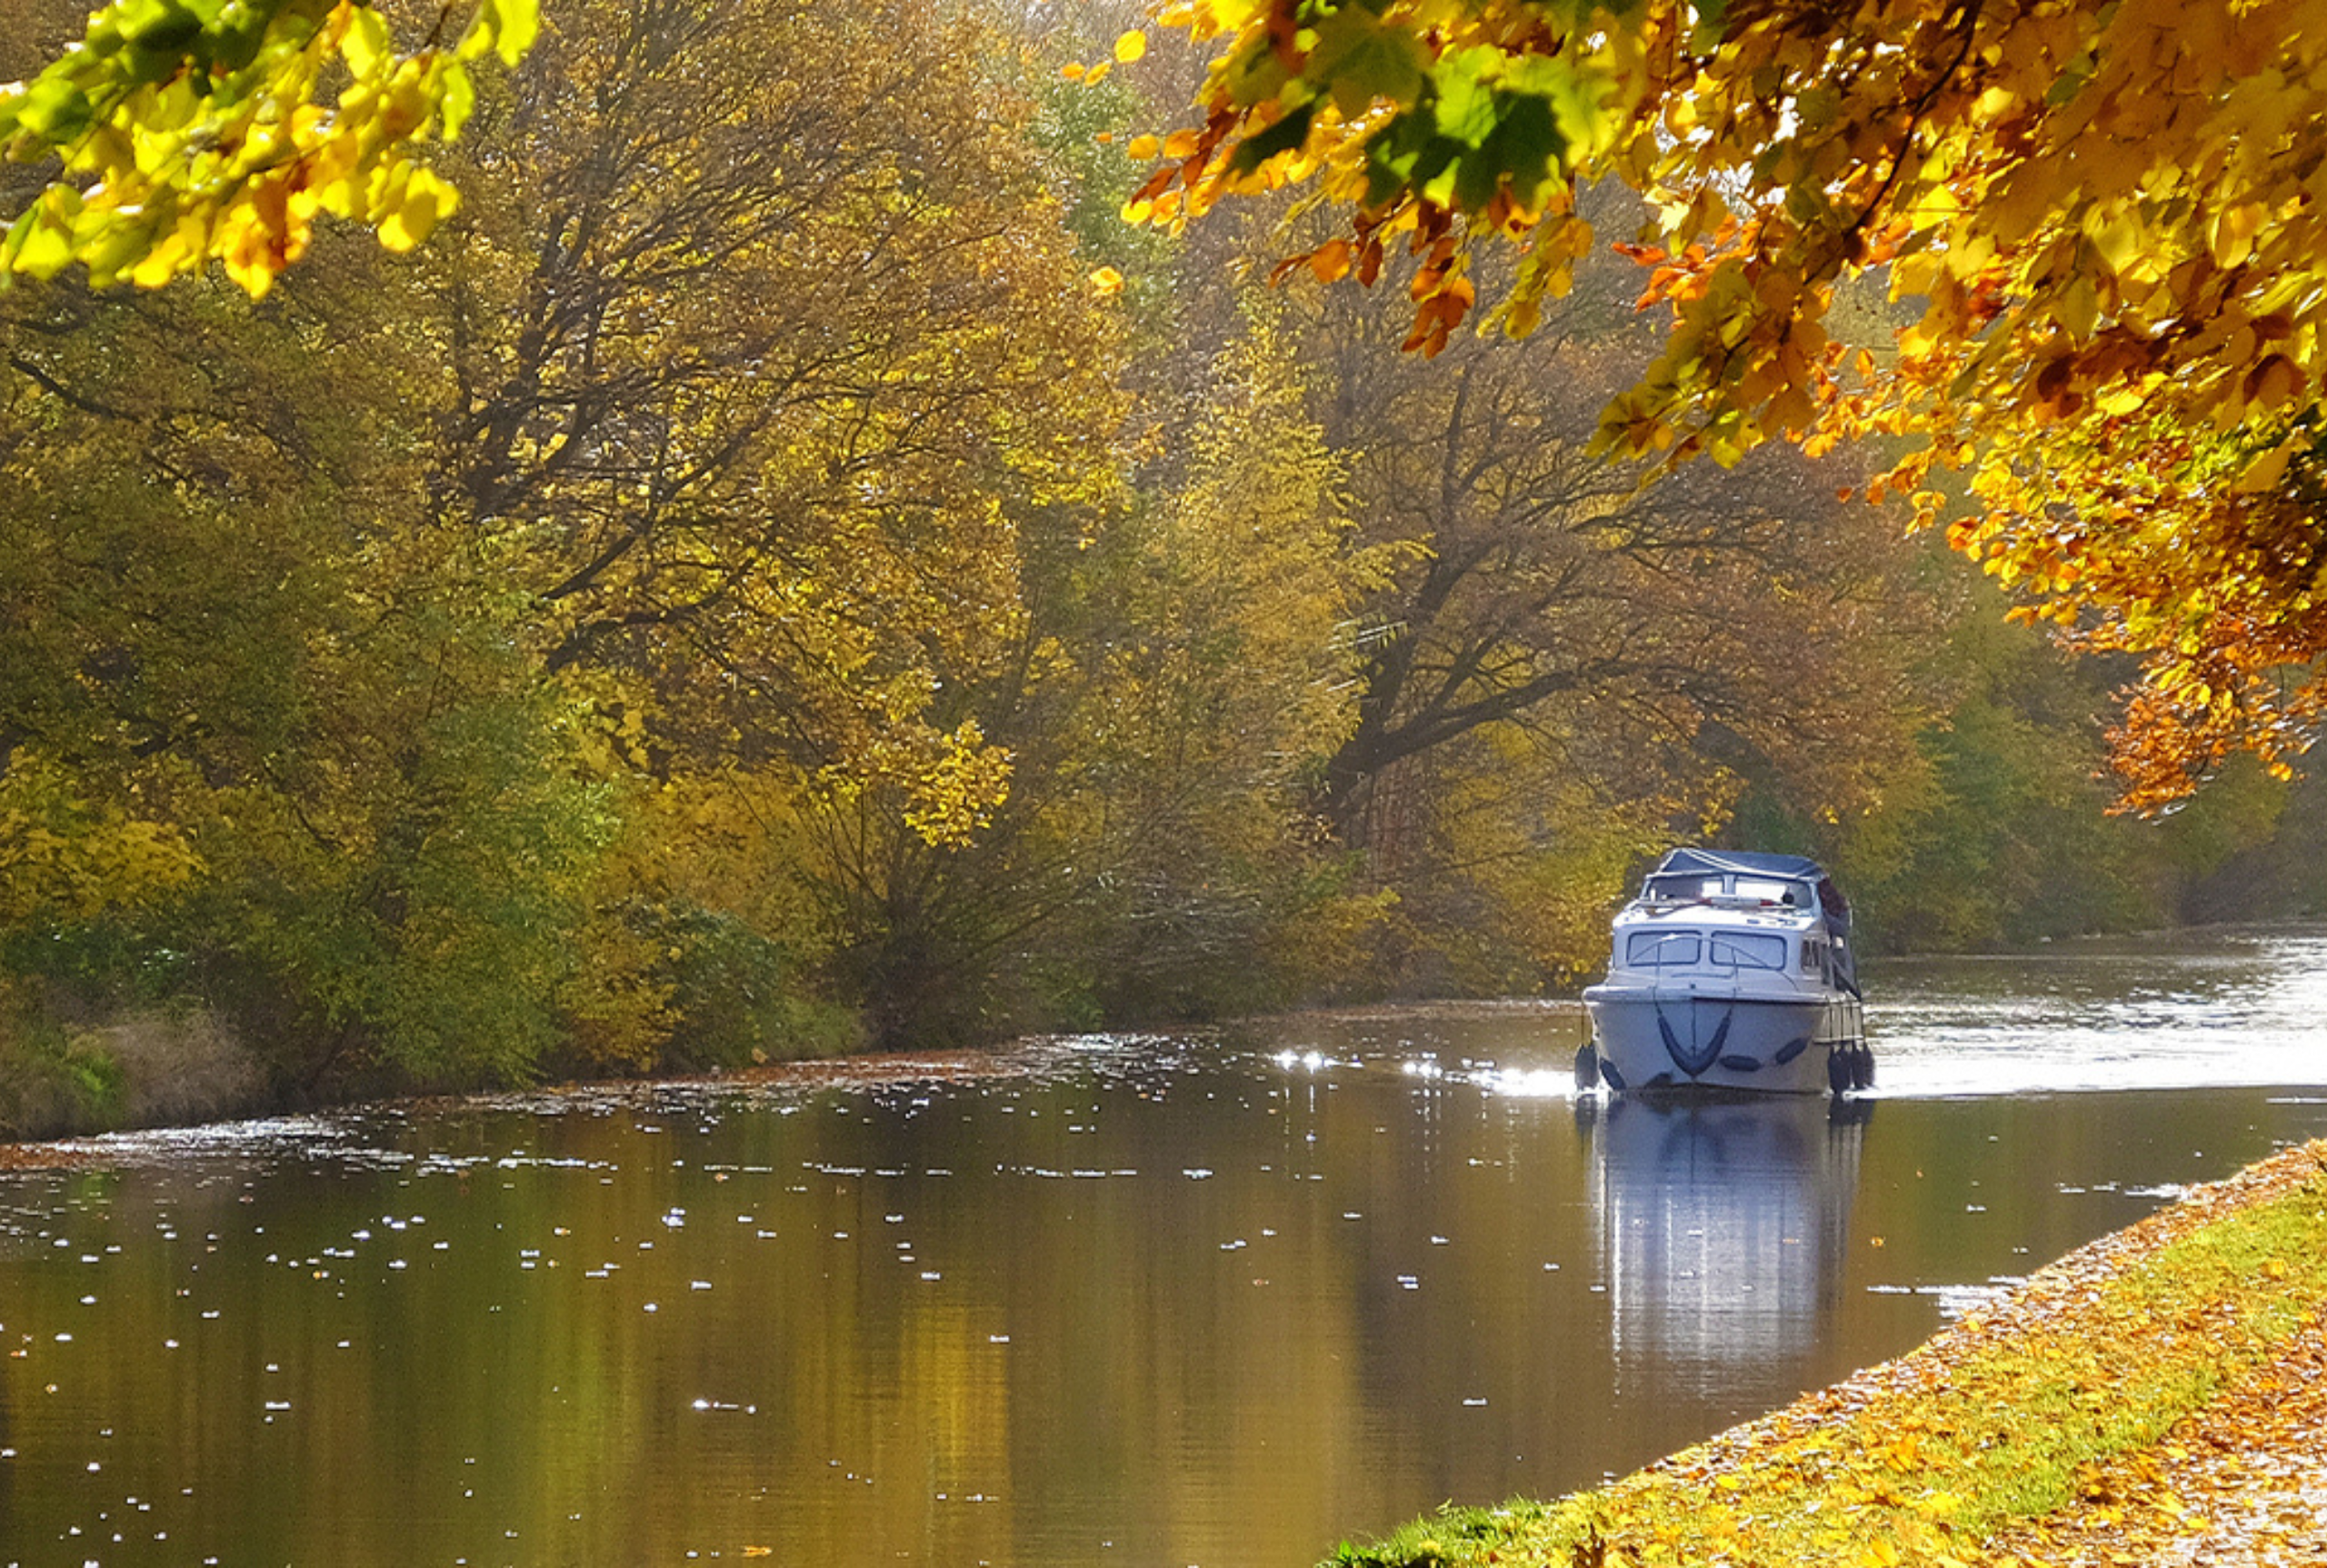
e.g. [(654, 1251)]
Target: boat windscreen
[(1747, 950), (1655, 949)]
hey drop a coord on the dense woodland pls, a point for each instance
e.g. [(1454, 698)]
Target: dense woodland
[(785, 568)]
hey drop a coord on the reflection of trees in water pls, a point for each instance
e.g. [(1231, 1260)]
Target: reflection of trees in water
[(1723, 1228)]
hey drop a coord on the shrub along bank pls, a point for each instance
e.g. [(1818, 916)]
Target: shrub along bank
[(2058, 1409)]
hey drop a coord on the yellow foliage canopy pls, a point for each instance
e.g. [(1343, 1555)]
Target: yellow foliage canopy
[(2104, 215)]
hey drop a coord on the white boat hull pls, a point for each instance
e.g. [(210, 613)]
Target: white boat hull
[(1653, 1037)]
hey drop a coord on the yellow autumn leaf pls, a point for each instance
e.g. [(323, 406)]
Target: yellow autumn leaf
[(520, 24), (166, 259), (2261, 476), (2078, 308), (2118, 238), (2230, 236), (1131, 46), (426, 202), (1107, 281), (1144, 147), (2273, 381), (365, 44)]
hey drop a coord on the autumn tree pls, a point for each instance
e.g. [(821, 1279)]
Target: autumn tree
[(1180, 672), (1221, 679), (764, 335), (674, 489), (2099, 207), (233, 647), (1993, 830), (1562, 660), (773, 343), (2100, 212)]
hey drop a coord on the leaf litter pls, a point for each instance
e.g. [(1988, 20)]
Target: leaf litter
[(2157, 1399)]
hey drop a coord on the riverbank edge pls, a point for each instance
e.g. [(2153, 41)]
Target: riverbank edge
[(2001, 1419), (868, 1070)]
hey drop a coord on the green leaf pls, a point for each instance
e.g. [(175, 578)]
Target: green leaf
[(1253, 74), (1358, 60), (1284, 136), (1384, 177), (1437, 155), (1391, 155), (1466, 107), (1581, 105), (1477, 177), (237, 42), (1577, 92), (1712, 25), (166, 29), (1528, 147), (55, 110)]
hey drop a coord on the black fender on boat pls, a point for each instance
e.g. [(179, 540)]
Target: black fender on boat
[(1694, 1059)]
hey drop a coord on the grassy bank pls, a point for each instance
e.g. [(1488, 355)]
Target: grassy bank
[(2010, 1416)]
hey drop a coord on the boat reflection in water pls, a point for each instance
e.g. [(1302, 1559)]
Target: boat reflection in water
[(1723, 1228)]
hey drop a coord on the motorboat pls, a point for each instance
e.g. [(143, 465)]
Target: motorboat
[(1730, 970)]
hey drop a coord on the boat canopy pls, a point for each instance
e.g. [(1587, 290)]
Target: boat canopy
[(1750, 863), (1686, 862)]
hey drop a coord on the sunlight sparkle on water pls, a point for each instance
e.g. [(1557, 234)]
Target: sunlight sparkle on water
[(1529, 1083), (842, 1313), (2158, 1013)]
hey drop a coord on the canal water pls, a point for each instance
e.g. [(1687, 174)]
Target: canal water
[(1213, 1299)]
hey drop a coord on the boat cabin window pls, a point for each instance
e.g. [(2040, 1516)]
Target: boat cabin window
[(1747, 950), (1656, 949), (1684, 887), (1813, 956), (1793, 894)]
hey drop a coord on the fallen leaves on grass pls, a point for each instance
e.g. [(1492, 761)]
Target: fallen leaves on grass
[(2034, 1435), (2237, 1482)]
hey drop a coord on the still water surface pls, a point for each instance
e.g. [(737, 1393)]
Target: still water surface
[(1210, 1298)]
